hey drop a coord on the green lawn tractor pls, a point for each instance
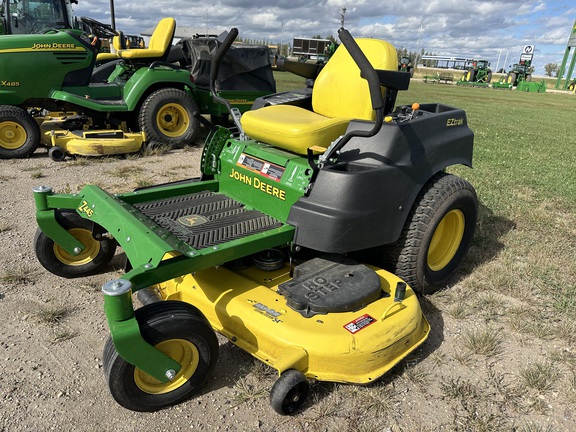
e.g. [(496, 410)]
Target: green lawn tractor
[(304, 242), (52, 94), (478, 74)]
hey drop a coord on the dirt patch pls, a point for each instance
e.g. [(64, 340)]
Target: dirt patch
[(54, 331)]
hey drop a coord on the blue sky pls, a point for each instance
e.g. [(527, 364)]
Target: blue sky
[(492, 29)]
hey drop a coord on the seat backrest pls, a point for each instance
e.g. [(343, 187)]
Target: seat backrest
[(340, 91), (159, 44)]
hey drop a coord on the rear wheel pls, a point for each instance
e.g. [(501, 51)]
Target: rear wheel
[(437, 234), (167, 116), (19, 133), (180, 331), (96, 254), (488, 77)]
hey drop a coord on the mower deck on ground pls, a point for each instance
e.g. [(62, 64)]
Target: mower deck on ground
[(282, 244)]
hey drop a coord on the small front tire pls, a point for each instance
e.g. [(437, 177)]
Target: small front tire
[(180, 331), (96, 255), (57, 154), (289, 392)]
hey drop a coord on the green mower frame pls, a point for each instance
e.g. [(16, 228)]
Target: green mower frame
[(282, 244)]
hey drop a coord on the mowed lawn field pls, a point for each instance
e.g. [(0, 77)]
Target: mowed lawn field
[(506, 329)]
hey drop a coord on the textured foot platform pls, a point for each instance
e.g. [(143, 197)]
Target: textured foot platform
[(206, 219)]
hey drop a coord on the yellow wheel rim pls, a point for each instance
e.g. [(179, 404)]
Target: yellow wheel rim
[(92, 248), (180, 350), (173, 120), (446, 240), (12, 135)]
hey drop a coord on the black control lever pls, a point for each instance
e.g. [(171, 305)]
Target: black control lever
[(367, 72), (214, 67)]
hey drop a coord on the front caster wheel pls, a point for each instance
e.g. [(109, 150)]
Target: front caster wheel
[(289, 392), (57, 154), (96, 254), (180, 331)]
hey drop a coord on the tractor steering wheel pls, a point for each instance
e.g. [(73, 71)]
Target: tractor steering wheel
[(101, 30)]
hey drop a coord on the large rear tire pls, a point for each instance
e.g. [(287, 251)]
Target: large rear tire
[(437, 234), (168, 116), (96, 255), (182, 332), (19, 133)]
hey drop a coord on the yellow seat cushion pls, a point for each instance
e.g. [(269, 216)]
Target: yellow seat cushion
[(339, 95), (292, 128), (158, 45)]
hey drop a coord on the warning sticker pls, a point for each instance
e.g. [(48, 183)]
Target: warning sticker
[(359, 323)]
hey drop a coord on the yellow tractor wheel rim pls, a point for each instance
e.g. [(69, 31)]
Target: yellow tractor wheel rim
[(12, 135), (180, 350), (92, 248), (446, 240), (173, 120)]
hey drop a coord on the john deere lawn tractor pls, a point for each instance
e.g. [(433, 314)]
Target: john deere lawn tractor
[(52, 94), (478, 74), (281, 245)]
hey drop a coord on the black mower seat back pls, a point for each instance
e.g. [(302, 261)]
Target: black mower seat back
[(158, 46), (338, 96)]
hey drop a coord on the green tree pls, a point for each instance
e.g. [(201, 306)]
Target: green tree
[(551, 69)]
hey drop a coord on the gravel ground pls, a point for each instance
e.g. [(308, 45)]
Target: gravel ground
[(52, 376)]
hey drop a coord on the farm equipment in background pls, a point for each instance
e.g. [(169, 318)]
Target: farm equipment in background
[(56, 97), (281, 244), (520, 75), (405, 65), (478, 74), (36, 16)]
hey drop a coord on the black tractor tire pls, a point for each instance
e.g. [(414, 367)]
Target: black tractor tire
[(470, 75), (488, 77), (19, 133), (168, 117), (179, 330), (289, 392), (57, 154), (512, 78), (528, 77), (572, 86), (437, 234), (96, 255)]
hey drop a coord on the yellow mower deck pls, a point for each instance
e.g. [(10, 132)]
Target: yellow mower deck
[(88, 142), (354, 347)]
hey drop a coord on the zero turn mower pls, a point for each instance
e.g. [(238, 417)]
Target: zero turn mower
[(281, 246)]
